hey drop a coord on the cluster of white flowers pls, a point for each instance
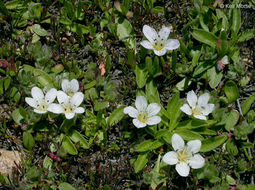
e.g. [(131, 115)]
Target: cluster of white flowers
[(69, 99), (183, 156)]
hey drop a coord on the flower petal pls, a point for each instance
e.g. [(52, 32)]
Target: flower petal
[(74, 85), (164, 33), (132, 112), (79, 110), (201, 117), (182, 169), (161, 52), (39, 111), (208, 109), (194, 146), (62, 97), (177, 142), (37, 93), (186, 109), (146, 44), (153, 120), (69, 115), (153, 109), (65, 85), (77, 99), (55, 108), (141, 103), (203, 100), (31, 102), (172, 44), (170, 158), (197, 161), (138, 124), (192, 99), (150, 33), (51, 95)]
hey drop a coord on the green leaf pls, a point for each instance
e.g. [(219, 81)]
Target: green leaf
[(193, 124), (141, 162), (43, 78), (144, 146), (65, 186), (231, 91), (212, 143), (236, 21), (231, 120), (152, 92), (188, 134), (69, 146), (77, 137), (247, 104), (141, 76), (246, 35), (231, 147), (173, 110), (18, 114), (205, 37), (148, 145), (214, 77), (203, 67), (116, 116), (28, 140), (100, 105), (39, 30)]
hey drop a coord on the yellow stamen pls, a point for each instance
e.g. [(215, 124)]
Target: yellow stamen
[(158, 46), (70, 93), (142, 117), (42, 107), (196, 111), (68, 109), (183, 156)]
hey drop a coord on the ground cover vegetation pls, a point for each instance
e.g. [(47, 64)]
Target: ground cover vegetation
[(132, 94)]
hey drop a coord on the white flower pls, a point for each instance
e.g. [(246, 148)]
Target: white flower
[(198, 107), (184, 156), (39, 102), (68, 105), (144, 114), (159, 42), (70, 87)]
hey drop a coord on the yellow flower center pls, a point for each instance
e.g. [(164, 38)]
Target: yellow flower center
[(158, 46), (142, 117), (68, 108), (196, 111), (183, 156), (70, 93), (42, 106)]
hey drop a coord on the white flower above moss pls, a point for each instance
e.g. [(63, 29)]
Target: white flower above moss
[(68, 105), (197, 106), (39, 102), (144, 114), (70, 87), (184, 156), (159, 42)]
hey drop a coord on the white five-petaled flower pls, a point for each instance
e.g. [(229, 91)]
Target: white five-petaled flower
[(198, 107), (39, 102), (184, 156), (70, 87), (159, 42), (144, 114), (68, 105)]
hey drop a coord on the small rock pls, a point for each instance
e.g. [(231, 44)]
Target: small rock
[(8, 161)]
